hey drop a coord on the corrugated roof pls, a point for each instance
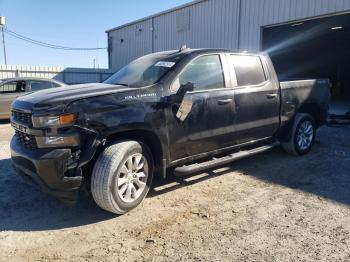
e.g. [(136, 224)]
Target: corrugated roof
[(157, 14)]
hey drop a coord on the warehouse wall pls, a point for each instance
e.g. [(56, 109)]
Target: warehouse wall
[(129, 42), (212, 23)]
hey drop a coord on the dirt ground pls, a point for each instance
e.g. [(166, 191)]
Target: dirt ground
[(270, 207)]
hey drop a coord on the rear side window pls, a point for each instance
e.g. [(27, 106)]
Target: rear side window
[(204, 73), (249, 70), (39, 85), (13, 87)]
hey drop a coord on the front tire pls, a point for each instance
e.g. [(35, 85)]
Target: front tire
[(122, 176), (302, 136)]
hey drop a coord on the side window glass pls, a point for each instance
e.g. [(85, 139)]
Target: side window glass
[(13, 87), (204, 73), (249, 70), (39, 85)]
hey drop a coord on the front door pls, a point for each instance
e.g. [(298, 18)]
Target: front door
[(209, 122)]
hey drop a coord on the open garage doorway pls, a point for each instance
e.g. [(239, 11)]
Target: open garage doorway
[(316, 48)]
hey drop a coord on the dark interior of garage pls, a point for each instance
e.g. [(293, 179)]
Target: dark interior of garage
[(318, 48)]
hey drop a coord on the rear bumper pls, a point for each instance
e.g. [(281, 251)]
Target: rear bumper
[(47, 169)]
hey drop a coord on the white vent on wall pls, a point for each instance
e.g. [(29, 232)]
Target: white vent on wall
[(183, 20)]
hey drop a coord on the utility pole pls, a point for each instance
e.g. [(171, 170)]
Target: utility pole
[(2, 24)]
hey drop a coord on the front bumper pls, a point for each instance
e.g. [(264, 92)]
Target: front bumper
[(48, 168)]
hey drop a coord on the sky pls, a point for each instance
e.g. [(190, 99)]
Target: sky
[(74, 23)]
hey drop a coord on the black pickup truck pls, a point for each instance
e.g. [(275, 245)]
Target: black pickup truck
[(175, 112)]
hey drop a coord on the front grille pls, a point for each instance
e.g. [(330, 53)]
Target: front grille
[(27, 140), (22, 117)]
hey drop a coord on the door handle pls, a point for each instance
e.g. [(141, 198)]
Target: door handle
[(225, 101), (272, 95)]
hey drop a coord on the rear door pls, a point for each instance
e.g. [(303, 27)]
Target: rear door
[(256, 98), (9, 91), (209, 124)]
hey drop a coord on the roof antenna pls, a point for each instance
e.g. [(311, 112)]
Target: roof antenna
[(183, 47)]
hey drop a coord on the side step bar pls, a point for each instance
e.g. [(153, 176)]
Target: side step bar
[(215, 162)]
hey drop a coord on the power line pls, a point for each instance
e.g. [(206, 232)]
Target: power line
[(48, 45), (40, 43)]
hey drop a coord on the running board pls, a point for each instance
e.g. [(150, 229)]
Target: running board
[(216, 162)]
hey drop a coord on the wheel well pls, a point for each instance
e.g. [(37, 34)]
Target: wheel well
[(314, 110), (146, 137)]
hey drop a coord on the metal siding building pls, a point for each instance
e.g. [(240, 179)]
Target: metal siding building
[(235, 24)]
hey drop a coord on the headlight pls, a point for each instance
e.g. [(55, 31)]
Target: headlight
[(53, 121)]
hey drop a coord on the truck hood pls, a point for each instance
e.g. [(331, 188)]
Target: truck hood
[(64, 95)]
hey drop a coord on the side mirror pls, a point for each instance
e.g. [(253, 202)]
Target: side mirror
[(181, 92), (183, 89)]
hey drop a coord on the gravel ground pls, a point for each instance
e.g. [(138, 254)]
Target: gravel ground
[(270, 207)]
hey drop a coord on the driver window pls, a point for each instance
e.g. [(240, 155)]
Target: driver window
[(205, 73)]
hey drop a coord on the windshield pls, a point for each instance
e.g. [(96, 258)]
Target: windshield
[(146, 70)]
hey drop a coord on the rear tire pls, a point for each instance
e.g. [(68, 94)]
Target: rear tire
[(302, 136), (122, 176)]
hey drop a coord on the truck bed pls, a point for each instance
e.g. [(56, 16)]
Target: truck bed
[(296, 94)]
